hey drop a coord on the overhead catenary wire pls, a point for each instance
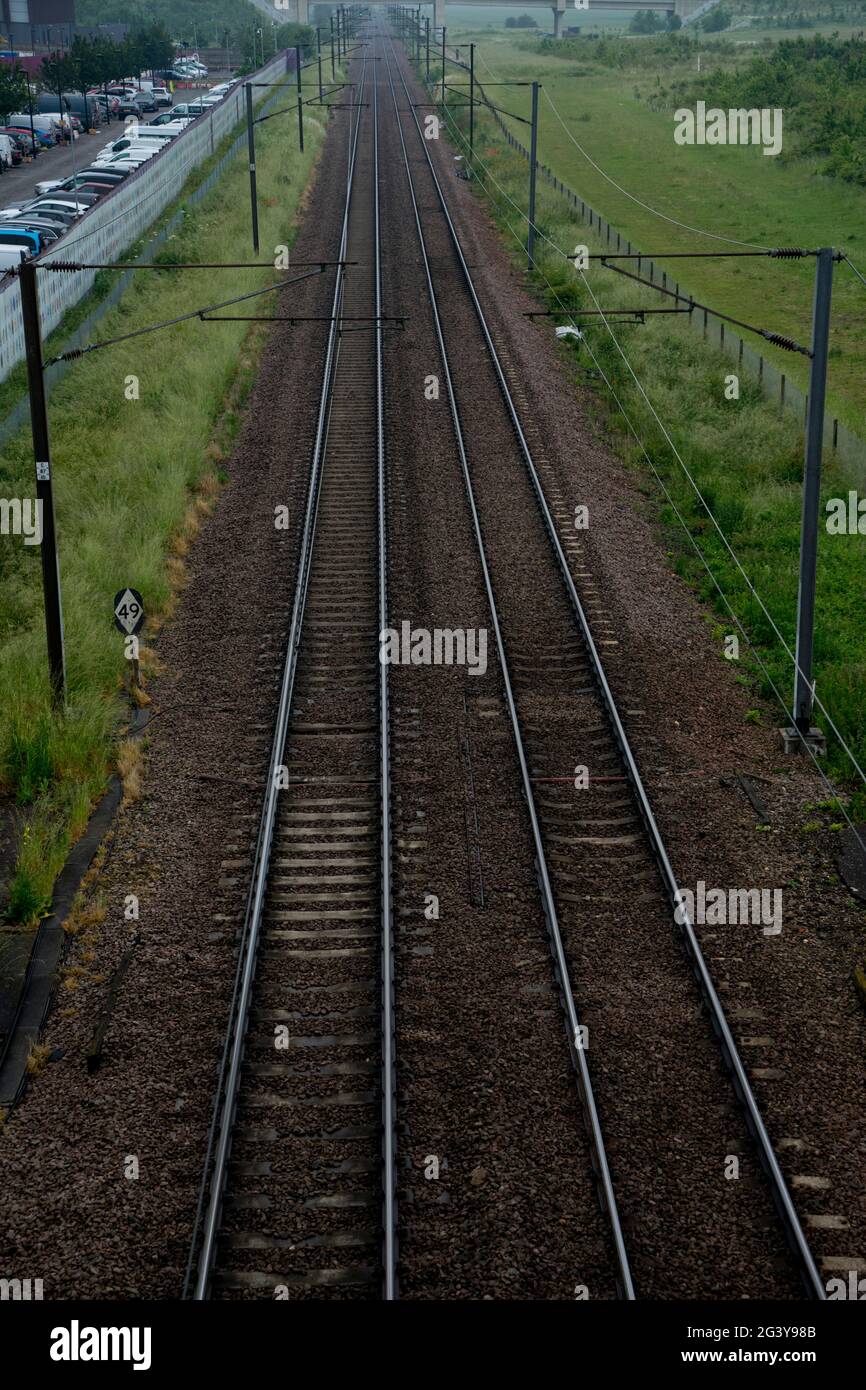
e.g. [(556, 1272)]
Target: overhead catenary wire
[(854, 268), (738, 565), (74, 353), (673, 221)]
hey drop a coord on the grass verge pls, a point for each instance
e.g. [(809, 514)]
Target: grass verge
[(138, 431)]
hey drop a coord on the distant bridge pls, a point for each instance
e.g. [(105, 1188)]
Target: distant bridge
[(300, 9)]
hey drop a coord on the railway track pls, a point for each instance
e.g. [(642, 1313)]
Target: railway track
[(305, 1118), (303, 1132), (556, 695)]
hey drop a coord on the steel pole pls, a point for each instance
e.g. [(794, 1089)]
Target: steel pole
[(472, 104), (427, 24), (804, 688), (444, 97), (319, 61), (298, 68), (251, 147), (44, 486), (533, 169), (333, 60)]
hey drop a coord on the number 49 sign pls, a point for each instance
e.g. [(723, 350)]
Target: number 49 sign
[(128, 611)]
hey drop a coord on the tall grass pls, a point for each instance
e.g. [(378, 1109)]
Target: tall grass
[(124, 469)]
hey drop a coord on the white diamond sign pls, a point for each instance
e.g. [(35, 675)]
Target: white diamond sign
[(128, 611)]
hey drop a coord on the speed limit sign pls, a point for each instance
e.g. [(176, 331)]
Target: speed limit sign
[(128, 611)]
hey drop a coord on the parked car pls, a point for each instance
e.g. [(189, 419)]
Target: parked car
[(6, 151), (76, 202), (162, 96), (106, 178), (108, 105), (145, 100), (130, 159), (41, 222), (45, 129), (22, 139), (188, 109), (63, 216), (10, 258), (23, 237), (166, 117)]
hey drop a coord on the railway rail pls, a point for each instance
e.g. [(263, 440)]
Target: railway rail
[(304, 1114), (317, 945)]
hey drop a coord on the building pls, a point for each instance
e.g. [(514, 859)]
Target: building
[(37, 26)]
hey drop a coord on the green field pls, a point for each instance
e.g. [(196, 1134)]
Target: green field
[(744, 454), (132, 479), (735, 191)]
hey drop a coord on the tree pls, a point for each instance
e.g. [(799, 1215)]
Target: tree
[(673, 22), (716, 20), (645, 22), (154, 47), (13, 90), (59, 73)]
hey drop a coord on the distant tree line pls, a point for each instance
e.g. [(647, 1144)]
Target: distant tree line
[(648, 22)]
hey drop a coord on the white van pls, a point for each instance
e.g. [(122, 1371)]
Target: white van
[(5, 151)]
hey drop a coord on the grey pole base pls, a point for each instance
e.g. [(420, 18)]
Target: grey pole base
[(793, 740)]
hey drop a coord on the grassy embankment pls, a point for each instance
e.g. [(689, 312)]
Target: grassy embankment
[(132, 479), (745, 455)]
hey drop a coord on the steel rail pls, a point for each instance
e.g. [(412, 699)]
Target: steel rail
[(607, 1197), (730, 1054), (389, 1078), (219, 1140)]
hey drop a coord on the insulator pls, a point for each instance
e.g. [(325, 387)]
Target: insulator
[(779, 340), (788, 253)]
